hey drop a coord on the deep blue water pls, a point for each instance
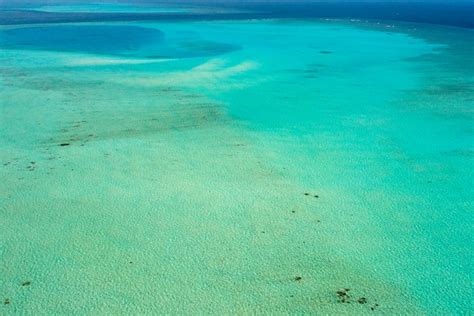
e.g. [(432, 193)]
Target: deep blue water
[(118, 40), (460, 14), (101, 39)]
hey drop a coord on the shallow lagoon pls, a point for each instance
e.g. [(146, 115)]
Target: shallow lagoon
[(317, 157)]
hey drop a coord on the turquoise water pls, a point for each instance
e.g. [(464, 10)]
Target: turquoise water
[(260, 166)]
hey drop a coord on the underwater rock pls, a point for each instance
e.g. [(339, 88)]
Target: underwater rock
[(341, 293), (374, 307), (343, 296), (26, 283), (362, 300), (298, 278), (32, 166), (6, 301)]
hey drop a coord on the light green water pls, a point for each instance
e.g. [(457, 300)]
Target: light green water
[(317, 157)]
